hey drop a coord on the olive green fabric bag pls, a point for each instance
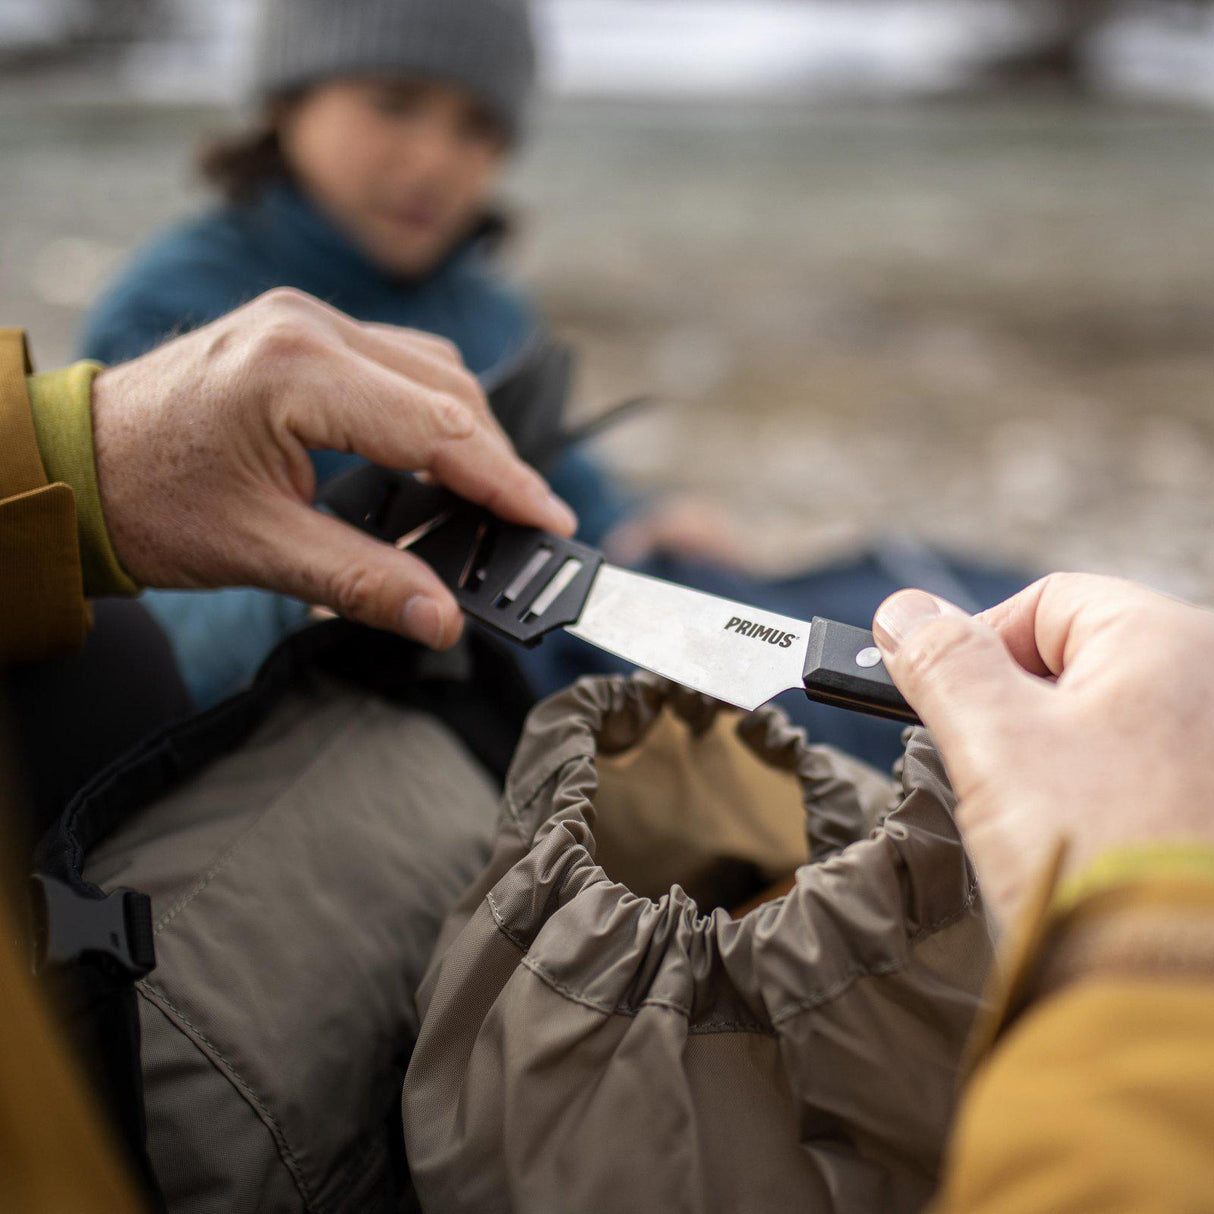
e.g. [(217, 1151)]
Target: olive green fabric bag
[(595, 1038)]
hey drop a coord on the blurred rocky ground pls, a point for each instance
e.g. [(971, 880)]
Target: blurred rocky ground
[(987, 324)]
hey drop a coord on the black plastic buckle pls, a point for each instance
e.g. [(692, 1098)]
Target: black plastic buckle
[(69, 927)]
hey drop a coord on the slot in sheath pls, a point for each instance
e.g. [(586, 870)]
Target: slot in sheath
[(564, 575), (526, 575)]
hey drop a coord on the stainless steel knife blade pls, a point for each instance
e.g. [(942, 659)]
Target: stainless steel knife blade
[(727, 650)]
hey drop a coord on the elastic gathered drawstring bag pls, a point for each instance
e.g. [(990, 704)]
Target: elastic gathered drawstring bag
[(606, 1027)]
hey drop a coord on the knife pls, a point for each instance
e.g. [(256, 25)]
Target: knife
[(523, 583)]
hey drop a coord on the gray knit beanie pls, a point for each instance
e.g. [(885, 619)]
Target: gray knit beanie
[(487, 46)]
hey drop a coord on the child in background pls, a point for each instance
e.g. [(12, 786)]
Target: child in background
[(384, 128)]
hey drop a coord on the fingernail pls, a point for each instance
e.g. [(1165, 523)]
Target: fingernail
[(902, 613), (421, 619)]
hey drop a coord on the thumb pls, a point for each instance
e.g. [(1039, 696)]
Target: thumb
[(958, 676), (321, 560)]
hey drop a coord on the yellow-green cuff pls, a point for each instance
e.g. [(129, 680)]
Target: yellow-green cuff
[(61, 403), (1143, 862)]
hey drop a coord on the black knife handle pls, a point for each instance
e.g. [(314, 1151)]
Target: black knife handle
[(843, 667)]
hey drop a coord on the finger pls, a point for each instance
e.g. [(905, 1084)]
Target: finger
[(418, 357), (960, 678), (440, 347), (392, 421), (481, 466), (318, 559), (425, 357), (482, 471), (440, 366), (355, 402), (1049, 622), (1013, 620)]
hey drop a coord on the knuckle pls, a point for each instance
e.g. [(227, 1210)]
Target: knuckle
[(431, 344), (444, 347), (356, 591), (284, 299), (283, 337), (452, 417), (1058, 586)]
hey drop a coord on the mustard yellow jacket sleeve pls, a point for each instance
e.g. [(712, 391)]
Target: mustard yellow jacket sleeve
[(54, 546), (1094, 1088), (42, 608), (56, 1150)]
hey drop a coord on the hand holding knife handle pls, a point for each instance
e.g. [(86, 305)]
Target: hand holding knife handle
[(843, 667)]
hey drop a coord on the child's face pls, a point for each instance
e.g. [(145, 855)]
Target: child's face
[(404, 167)]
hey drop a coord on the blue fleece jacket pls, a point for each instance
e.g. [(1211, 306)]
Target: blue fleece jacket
[(203, 269)]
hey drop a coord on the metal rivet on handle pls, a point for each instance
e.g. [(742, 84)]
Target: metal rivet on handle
[(869, 657)]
